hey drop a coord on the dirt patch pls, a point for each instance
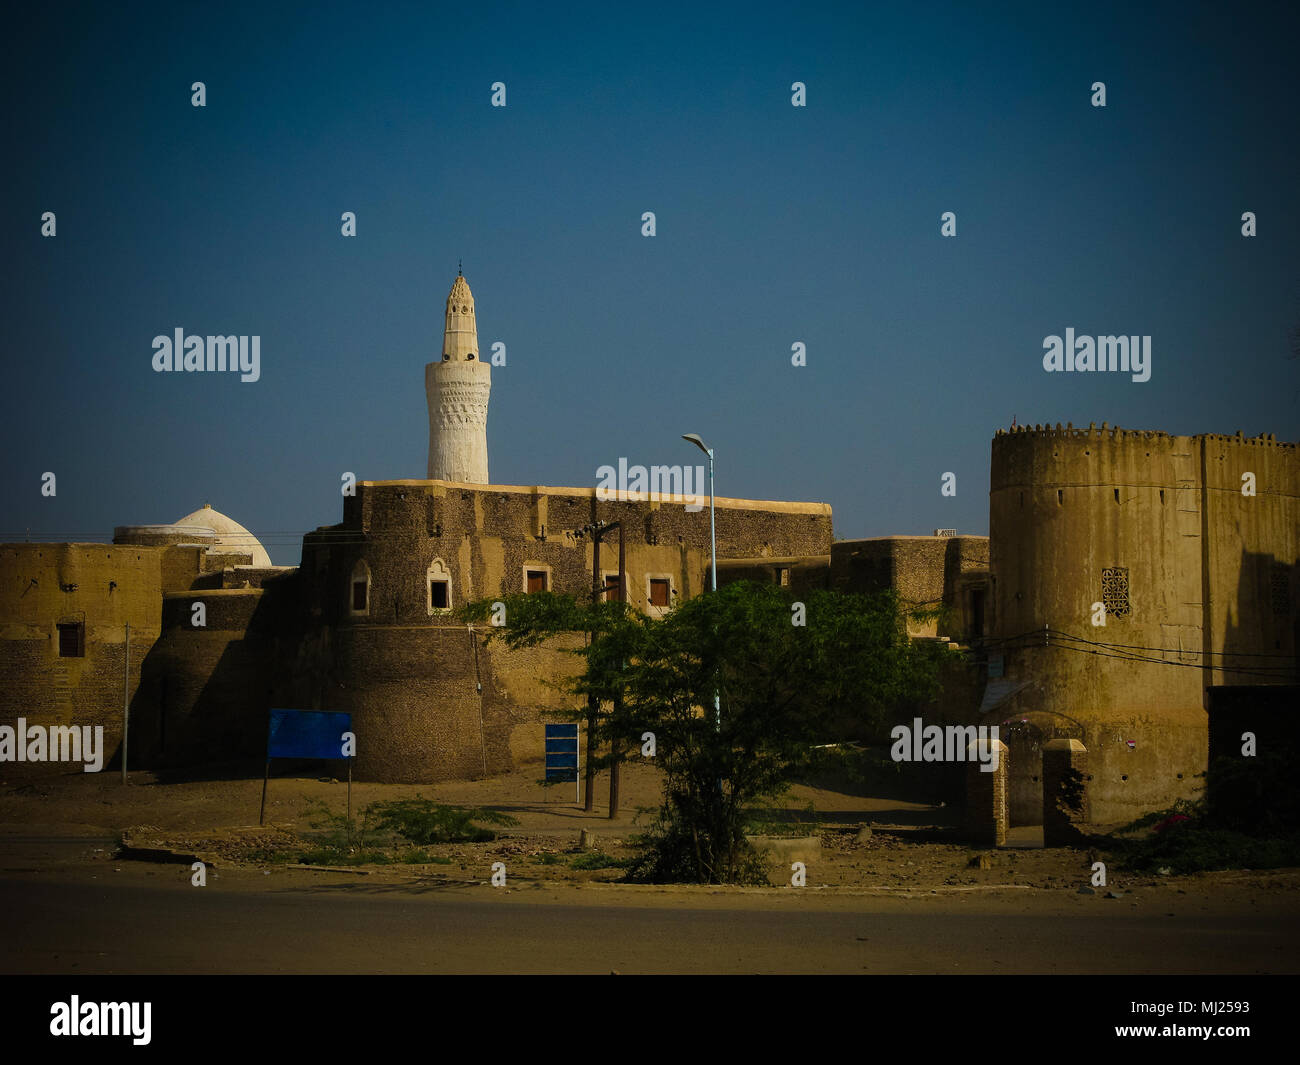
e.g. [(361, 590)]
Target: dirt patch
[(912, 848)]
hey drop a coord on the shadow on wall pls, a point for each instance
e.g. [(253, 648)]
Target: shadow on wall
[(205, 693), (1262, 636)]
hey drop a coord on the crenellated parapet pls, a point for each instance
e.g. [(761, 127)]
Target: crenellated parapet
[(1107, 431)]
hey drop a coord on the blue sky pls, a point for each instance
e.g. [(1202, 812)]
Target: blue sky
[(775, 224)]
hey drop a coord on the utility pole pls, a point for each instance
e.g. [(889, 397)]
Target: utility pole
[(615, 751), (596, 528)]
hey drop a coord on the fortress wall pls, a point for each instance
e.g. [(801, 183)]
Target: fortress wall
[(205, 691), (417, 707)]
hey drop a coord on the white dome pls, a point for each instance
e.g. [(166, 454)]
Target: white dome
[(231, 536)]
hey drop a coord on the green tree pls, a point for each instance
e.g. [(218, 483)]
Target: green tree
[(779, 682)]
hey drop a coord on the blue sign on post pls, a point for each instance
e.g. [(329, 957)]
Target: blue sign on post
[(308, 734), (562, 754)]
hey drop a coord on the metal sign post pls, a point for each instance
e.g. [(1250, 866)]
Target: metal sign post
[(306, 734)]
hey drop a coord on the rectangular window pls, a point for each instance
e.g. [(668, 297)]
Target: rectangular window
[(613, 593), (536, 580), (1114, 591), (358, 595), (659, 592), (439, 595), (977, 613), (72, 643)]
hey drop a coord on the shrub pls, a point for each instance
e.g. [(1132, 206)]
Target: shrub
[(423, 821)]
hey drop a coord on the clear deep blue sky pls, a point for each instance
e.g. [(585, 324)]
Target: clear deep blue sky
[(775, 224)]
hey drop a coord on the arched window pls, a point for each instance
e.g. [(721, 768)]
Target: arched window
[(359, 589), (438, 583)]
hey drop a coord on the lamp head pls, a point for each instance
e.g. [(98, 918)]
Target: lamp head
[(694, 438)]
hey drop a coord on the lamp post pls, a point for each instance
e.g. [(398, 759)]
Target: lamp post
[(713, 553), (713, 535)]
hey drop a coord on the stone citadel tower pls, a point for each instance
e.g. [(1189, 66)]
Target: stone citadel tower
[(1197, 577), (457, 389)]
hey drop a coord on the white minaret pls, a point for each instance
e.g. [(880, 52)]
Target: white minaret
[(457, 388)]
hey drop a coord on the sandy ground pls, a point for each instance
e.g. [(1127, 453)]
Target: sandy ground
[(73, 823)]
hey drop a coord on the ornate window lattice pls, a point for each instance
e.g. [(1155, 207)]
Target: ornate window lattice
[(1114, 591)]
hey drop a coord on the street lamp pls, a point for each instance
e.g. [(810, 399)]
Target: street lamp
[(713, 536), (694, 438)]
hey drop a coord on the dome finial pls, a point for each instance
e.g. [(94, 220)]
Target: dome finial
[(459, 268)]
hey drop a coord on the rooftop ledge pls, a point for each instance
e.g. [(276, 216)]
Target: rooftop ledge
[(779, 506)]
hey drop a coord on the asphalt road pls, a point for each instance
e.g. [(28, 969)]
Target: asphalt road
[(130, 925)]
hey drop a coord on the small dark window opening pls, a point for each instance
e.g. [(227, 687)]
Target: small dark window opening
[(1060, 496), (613, 592), (536, 580), (1116, 495), (438, 594), (658, 592), (72, 640), (470, 356), (359, 595), (1162, 495)]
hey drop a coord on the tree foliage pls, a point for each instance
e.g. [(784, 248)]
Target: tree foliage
[(778, 684)]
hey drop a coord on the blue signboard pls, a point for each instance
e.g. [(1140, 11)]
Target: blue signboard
[(562, 752), (307, 734)]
